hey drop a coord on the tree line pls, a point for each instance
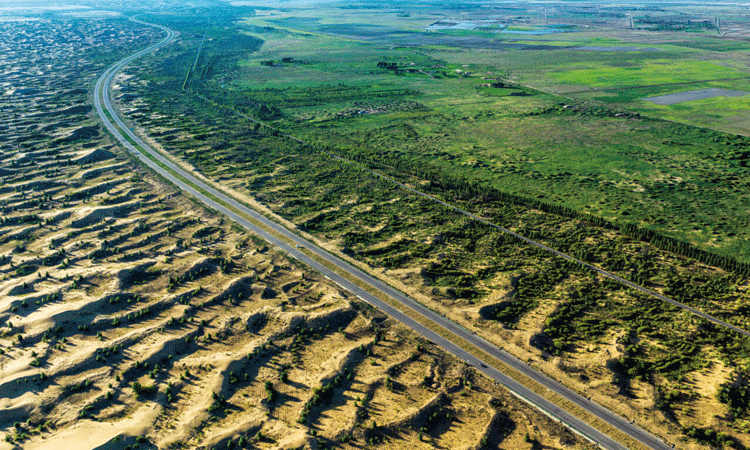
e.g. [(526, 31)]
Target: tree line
[(461, 189)]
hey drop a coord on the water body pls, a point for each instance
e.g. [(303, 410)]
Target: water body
[(594, 48), (688, 96)]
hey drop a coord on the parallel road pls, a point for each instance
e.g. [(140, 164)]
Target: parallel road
[(556, 252), (589, 266), (248, 218)]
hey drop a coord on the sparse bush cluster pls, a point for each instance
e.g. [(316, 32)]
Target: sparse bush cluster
[(736, 394)]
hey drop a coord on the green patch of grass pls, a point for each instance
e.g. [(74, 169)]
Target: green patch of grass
[(714, 45), (650, 72)]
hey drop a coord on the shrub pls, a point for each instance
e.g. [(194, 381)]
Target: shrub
[(141, 390), (270, 393)]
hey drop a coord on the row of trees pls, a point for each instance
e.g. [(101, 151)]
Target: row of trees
[(451, 187)]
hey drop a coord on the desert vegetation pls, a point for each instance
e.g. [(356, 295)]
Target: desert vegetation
[(646, 360), (131, 317)]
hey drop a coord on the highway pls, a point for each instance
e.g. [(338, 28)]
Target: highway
[(589, 266), (556, 252), (248, 218)]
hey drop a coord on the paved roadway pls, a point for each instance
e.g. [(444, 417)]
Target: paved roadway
[(102, 100), (603, 272), (552, 250)]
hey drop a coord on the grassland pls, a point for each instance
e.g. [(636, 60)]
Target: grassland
[(444, 117), (623, 74), (427, 118), (671, 63)]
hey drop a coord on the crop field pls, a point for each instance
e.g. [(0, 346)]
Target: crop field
[(636, 356)]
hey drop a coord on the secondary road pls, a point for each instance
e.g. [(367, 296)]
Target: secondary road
[(302, 250), (603, 272)]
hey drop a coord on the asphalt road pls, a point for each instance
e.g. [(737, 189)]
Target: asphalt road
[(559, 253), (603, 272), (299, 251)]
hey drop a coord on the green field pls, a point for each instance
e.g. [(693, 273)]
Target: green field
[(643, 73), (442, 116)]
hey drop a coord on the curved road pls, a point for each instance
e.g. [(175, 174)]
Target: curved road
[(206, 194)]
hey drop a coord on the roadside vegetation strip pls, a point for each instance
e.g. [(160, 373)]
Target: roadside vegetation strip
[(191, 70), (438, 327), (503, 229)]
